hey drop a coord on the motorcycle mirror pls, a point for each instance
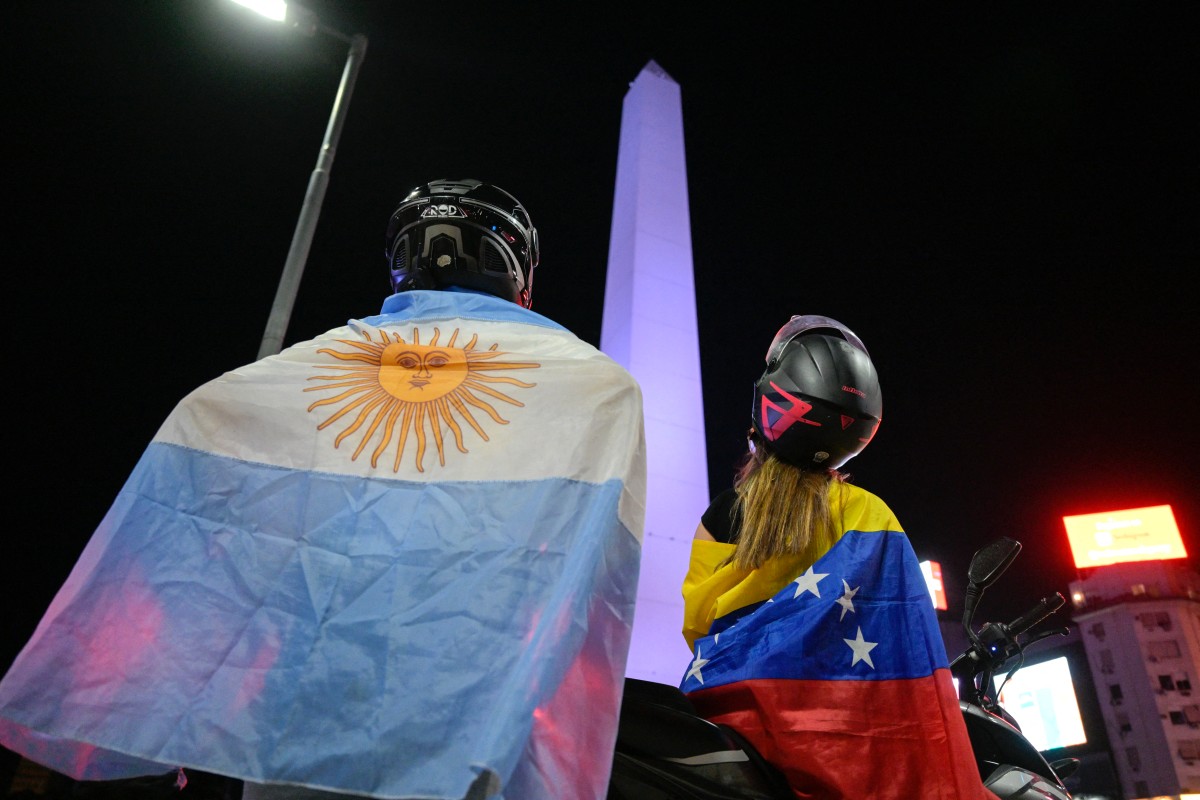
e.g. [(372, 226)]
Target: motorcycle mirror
[(989, 562), (986, 566)]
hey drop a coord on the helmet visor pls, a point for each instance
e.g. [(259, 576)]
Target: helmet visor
[(804, 323)]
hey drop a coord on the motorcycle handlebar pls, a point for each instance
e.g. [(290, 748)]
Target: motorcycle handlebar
[(1063, 631), (1046, 607)]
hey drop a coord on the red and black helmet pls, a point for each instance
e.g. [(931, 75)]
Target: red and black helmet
[(818, 403), (462, 233)]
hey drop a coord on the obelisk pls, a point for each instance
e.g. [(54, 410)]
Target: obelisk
[(649, 327)]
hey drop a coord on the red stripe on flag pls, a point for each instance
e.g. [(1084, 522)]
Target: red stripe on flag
[(882, 740)]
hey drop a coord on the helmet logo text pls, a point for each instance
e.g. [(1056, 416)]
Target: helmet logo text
[(442, 210), (776, 419)]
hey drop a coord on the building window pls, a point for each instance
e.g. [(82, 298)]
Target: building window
[(1123, 723), (1166, 648), (1115, 695), (1097, 630), (1134, 758), (1138, 589), (1189, 749), (1183, 683), (1177, 718), (1192, 714), (1106, 662), (1155, 619), (1166, 683)]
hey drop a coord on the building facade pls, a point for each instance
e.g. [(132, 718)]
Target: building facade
[(1140, 627)]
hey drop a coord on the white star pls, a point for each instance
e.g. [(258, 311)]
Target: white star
[(697, 663), (846, 601), (862, 649), (808, 582)]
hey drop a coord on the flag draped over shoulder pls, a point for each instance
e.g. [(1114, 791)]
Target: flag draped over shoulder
[(841, 680), (398, 560)]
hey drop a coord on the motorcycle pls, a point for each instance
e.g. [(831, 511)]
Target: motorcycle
[(1008, 762), (666, 751)]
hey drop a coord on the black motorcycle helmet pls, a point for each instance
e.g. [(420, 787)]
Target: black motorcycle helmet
[(462, 233), (818, 403)]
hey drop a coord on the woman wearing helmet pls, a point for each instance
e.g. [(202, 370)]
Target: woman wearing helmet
[(809, 620), (816, 406)]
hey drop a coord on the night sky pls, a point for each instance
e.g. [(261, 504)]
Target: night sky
[(1000, 199)]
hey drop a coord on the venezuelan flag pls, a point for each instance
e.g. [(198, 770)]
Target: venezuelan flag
[(841, 679)]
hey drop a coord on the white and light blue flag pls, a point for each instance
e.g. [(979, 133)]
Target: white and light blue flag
[(398, 560)]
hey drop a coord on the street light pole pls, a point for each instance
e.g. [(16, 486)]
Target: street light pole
[(293, 267)]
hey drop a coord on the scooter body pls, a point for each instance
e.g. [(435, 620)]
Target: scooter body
[(1011, 767)]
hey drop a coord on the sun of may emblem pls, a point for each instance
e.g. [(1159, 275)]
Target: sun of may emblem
[(393, 388)]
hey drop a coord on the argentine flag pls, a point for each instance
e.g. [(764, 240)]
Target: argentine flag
[(397, 560)]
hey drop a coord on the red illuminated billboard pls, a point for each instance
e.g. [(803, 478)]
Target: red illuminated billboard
[(932, 571), (1115, 537)]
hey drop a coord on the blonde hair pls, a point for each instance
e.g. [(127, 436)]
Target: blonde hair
[(784, 510)]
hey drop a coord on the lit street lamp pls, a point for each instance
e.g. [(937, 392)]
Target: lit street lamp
[(293, 268)]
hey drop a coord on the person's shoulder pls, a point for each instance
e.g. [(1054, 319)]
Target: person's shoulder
[(865, 510), (724, 499), (858, 494), (566, 344), (720, 519)]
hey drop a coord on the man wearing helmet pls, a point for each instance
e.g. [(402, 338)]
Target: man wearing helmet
[(811, 627), (397, 560), (463, 234)]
